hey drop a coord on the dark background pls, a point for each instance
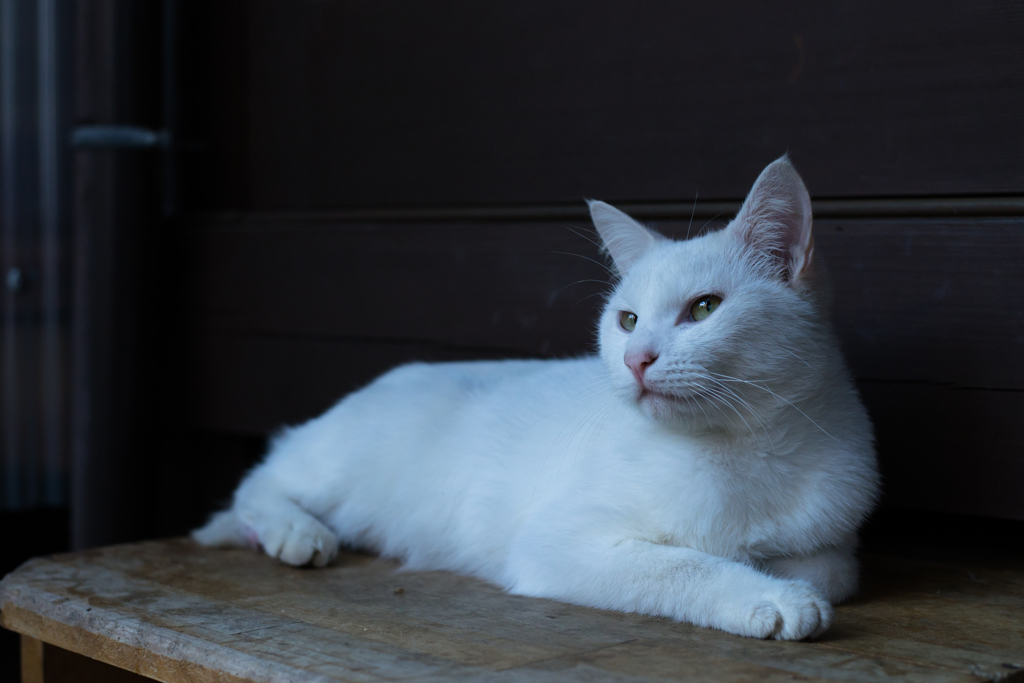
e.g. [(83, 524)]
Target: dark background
[(353, 184)]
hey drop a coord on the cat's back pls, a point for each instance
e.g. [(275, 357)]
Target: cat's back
[(481, 383), (431, 453), (441, 412)]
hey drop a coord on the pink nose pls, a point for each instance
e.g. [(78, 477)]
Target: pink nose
[(638, 362)]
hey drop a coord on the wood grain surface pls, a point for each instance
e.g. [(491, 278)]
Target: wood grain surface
[(32, 660), (176, 612)]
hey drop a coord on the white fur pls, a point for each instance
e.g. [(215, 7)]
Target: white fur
[(726, 492)]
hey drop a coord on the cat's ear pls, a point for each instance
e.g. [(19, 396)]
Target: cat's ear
[(624, 239), (775, 221)]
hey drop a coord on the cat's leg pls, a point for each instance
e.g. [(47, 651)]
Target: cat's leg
[(833, 571), (264, 514), (633, 575)]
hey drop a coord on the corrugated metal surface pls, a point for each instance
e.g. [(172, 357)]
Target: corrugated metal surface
[(34, 245)]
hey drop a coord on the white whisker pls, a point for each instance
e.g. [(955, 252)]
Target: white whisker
[(580, 234), (587, 258), (781, 398), (725, 399), (693, 211), (750, 408), (797, 357)]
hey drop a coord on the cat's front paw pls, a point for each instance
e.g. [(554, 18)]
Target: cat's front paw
[(788, 610), (300, 541)]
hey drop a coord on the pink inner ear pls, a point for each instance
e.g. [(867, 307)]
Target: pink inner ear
[(808, 255), (625, 239), (775, 221)]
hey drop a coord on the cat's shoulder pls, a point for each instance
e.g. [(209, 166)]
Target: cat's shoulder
[(485, 370), (496, 378)]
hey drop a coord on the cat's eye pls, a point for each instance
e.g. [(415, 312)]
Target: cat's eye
[(704, 306), (627, 320)]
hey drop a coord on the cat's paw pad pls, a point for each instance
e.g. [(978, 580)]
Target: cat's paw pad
[(300, 541), (791, 611)]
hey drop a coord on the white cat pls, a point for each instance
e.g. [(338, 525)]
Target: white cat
[(712, 465)]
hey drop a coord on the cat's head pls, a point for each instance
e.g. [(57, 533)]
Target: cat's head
[(720, 329)]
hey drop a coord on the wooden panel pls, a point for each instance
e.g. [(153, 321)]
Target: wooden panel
[(32, 660), (936, 300), (213, 57), (364, 103), (948, 449), (177, 612), (119, 371), (254, 384), (929, 299), (520, 287)]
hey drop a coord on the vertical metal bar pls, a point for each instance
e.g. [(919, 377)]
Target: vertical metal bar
[(80, 433), (81, 293), (94, 76), (9, 424), (52, 365), (169, 105)]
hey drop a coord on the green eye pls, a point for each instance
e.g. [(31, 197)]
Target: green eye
[(627, 320), (704, 306)]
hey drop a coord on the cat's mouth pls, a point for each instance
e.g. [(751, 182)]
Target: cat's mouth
[(648, 393)]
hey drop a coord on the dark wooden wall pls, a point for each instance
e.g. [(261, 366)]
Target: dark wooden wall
[(120, 251), (365, 183), (322, 105)]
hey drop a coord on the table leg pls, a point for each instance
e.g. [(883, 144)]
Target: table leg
[(43, 663), (31, 660)]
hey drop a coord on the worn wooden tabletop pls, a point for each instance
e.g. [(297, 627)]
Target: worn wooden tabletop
[(176, 612)]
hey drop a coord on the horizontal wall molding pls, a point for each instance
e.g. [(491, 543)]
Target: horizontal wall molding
[(981, 207)]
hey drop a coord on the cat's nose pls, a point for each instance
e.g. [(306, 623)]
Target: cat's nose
[(639, 361)]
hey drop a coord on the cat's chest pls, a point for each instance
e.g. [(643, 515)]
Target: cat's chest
[(727, 499)]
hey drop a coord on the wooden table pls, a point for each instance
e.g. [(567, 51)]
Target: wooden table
[(172, 611)]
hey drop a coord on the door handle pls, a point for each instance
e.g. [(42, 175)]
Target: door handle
[(118, 137)]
